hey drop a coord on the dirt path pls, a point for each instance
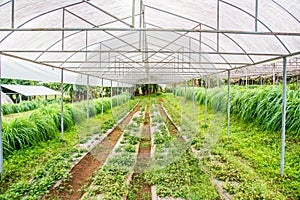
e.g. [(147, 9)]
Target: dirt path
[(140, 189), (83, 171)]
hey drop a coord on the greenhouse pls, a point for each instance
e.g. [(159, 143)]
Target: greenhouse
[(155, 99)]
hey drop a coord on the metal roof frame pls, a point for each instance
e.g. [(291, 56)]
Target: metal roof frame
[(143, 54)]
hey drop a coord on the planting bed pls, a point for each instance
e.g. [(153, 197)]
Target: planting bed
[(32, 171), (139, 187), (163, 149), (111, 180), (81, 173)]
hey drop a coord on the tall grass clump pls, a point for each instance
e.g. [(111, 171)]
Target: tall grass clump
[(54, 111), (24, 106), (98, 105), (262, 105), (42, 124), (45, 122), (18, 133)]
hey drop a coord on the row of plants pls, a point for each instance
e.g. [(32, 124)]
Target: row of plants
[(163, 141), (247, 165), (184, 114), (24, 106), (45, 122), (110, 181), (31, 172), (95, 127), (174, 170), (262, 105), (42, 124), (94, 107), (139, 189)]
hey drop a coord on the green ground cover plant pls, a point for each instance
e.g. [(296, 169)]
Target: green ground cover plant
[(248, 163), (30, 172), (174, 170), (110, 180)]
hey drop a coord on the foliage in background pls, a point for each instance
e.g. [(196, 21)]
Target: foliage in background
[(262, 105)]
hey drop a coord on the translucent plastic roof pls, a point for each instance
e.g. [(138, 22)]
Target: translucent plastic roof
[(149, 41), (30, 90)]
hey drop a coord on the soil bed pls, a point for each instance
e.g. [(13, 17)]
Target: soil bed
[(81, 173), (142, 190)]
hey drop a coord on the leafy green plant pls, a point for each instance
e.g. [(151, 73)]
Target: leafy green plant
[(43, 178), (110, 180), (247, 164)]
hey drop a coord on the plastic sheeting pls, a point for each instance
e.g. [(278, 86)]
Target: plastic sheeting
[(30, 90), (25, 70), (247, 36)]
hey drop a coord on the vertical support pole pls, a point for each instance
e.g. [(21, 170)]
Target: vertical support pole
[(62, 104), (102, 91), (274, 74), (117, 95), (100, 56), (218, 24), (200, 44), (1, 147), (86, 44), (140, 25), (261, 81), (133, 13), (111, 95), (185, 96), (205, 103), (190, 55), (12, 13), (256, 14), (193, 99), (283, 117), (122, 93), (182, 59), (228, 108), (246, 78), (88, 97), (63, 32), (208, 81)]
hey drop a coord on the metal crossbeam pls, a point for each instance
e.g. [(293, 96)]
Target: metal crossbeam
[(151, 30), (149, 62)]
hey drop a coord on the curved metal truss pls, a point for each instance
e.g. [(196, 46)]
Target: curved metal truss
[(152, 41)]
